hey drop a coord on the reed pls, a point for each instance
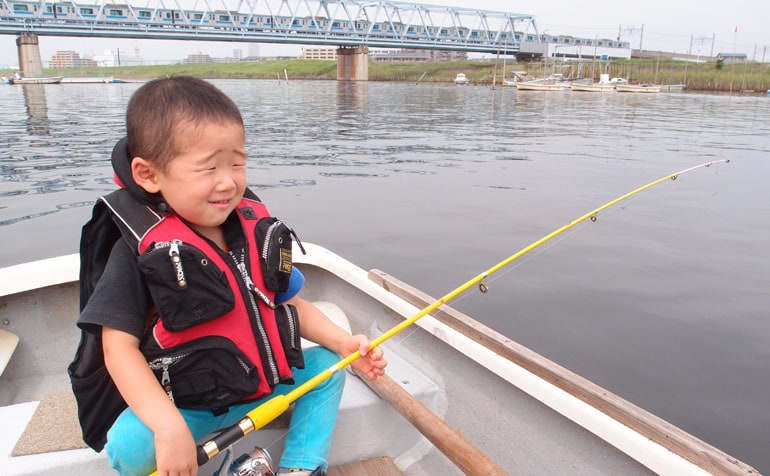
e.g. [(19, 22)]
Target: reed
[(706, 76)]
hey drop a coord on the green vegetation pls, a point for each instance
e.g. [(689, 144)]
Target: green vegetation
[(708, 76)]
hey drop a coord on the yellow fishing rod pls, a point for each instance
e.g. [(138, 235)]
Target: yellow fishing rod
[(273, 408)]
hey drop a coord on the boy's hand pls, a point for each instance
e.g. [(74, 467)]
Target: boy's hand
[(175, 452), (372, 362)]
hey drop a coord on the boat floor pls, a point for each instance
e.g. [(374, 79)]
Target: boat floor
[(382, 466)]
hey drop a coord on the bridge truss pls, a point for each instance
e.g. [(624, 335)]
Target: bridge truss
[(373, 23)]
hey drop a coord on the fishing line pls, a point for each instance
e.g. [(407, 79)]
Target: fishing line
[(271, 409)]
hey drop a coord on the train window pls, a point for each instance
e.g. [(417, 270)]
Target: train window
[(197, 16), (20, 8), (86, 10), (117, 13), (224, 17), (144, 14)]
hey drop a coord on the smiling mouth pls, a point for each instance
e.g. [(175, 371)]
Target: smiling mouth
[(220, 203)]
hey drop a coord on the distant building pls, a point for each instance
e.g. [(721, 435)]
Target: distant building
[(111, 59), (732, 57), (199, 58), (319, 53), (70, 59)]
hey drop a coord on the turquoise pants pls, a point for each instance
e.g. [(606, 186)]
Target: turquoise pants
[(130, 444)]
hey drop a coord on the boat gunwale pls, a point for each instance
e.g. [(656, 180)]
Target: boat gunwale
[(659, 431)]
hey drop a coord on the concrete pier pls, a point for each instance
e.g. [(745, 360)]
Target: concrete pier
[(29, 55), (353, 63)]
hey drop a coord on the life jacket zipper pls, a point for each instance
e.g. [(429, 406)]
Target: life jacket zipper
[(163, 363), (269, 237), (241, 265), (292, 319), (176, 260)]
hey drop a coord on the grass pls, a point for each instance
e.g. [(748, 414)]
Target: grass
[(748, 76)]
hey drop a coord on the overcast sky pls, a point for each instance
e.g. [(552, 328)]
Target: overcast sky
[(666, 25)]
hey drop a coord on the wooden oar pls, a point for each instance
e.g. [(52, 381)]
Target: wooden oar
[(446, 439)]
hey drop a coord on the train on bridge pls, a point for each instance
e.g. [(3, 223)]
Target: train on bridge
[(131, 16), (493, 32)]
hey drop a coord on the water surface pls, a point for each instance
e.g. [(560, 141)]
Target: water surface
[(663, 300)]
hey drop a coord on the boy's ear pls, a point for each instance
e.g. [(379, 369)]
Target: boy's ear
[(144, 175)]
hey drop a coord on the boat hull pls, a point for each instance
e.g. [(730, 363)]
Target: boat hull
[(526, 86), (525, 413), (637, 88), (47, 80), (592, 87)]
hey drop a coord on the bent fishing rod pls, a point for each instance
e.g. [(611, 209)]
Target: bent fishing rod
[(273, 408)]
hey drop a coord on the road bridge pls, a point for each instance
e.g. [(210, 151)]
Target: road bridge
[(351, 25)]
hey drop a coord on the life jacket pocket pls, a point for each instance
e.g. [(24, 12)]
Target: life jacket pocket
[(209, 372), (274, 239), (99, 401), (187, 288), (288, 327)]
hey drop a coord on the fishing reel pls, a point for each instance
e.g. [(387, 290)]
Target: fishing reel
[(256, 462)]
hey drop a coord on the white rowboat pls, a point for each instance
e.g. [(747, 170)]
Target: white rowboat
[(523, 412)]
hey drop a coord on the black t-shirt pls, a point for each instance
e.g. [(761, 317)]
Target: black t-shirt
[(120, 299)]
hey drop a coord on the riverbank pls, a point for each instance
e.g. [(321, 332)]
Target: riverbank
[(708, 76)]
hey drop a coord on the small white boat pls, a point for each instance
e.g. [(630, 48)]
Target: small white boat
[(541, 86), (461, 79), (520, 411), (38, 80), (673, 87), (592, 87), (637, 88), (88, 79)]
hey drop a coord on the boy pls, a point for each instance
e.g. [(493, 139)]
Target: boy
[(187, 291)]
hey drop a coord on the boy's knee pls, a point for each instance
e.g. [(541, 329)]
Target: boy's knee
[(130, 446)]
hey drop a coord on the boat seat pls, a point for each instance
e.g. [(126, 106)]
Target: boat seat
[(8, 343)]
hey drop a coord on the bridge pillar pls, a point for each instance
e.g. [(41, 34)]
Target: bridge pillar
[(29, 55), (353, 63)]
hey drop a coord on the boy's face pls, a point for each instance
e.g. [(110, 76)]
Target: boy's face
[(205, 181)]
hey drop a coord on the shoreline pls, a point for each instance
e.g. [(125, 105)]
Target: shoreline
[(744, 78)]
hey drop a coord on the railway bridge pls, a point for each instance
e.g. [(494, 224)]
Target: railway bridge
[(352, 26)]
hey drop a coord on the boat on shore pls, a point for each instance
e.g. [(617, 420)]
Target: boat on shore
[(637, 88), (592, 87), (673, 87), (522, 412), (540, 86), (37, 80), (461, 79), (89, 79)]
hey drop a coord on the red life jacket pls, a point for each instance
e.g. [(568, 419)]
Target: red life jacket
[(216, 305), (251, 322)]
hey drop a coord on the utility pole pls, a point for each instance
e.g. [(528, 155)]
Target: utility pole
[(701, 39), (631, 31)]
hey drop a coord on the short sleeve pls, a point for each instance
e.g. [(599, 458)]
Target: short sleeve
[(296, 281)]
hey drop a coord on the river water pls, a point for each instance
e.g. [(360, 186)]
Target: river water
[(664, 300)]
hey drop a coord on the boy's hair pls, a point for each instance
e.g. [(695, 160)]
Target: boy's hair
[(160, 108)]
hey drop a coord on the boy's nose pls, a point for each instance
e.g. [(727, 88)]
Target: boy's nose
[(226, 182)]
